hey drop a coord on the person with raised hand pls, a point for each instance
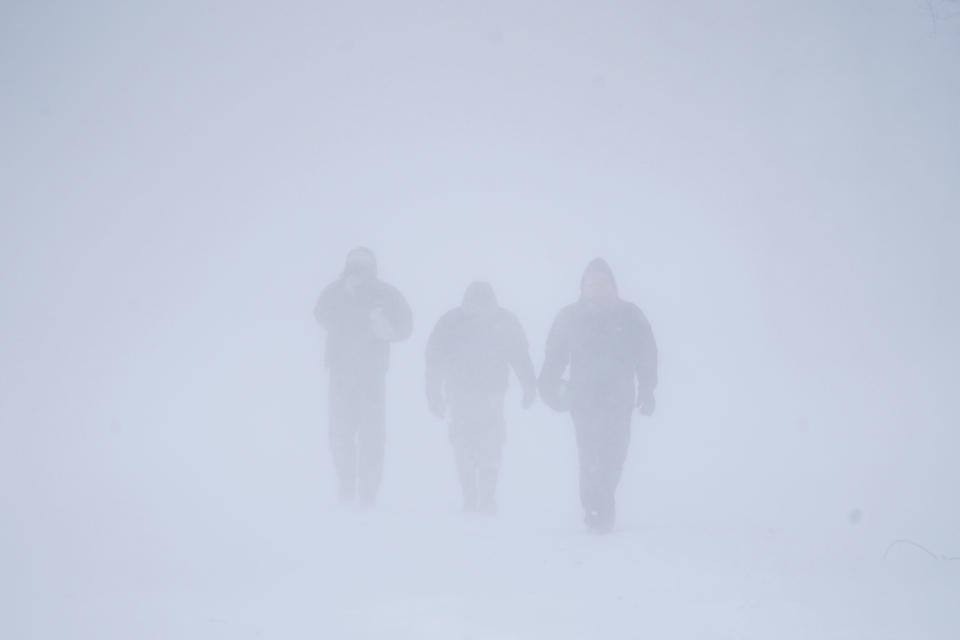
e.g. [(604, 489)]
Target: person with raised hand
[(362, 316)]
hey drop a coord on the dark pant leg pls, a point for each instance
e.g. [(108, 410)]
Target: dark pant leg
[(488, 474), (589, 457), (343, 434), (467, 473), (603, 438), (357, 432), (371, 438), (613, 453), (477, 432)]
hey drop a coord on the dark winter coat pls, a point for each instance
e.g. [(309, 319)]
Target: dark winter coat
[(610, 351), (353, 345), (473, 352)]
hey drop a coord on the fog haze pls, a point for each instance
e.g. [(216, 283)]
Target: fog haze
[(774, 184)]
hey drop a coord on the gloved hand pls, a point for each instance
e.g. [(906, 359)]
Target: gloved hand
[(380, 325), (646, 403), (556, 395), (435, 403), (529, 396)]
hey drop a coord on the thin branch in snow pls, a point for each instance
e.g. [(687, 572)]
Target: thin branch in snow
[(918, 546)]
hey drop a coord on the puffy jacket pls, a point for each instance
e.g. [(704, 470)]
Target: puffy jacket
[(361, 320), (472, 349), (609, 348)]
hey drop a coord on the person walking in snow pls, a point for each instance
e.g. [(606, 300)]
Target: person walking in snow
[(609, 348), (362, 315), (468, 359)]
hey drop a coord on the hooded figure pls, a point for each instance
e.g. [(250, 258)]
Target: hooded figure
[(469, 356), (608, 346), (362, 316)]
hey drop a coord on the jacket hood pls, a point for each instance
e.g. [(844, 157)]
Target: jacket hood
[(598, 265), (479, 296), (361, 261)]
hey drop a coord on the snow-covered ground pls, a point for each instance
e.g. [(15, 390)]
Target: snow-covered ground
[(231, 543), (407, 574)]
